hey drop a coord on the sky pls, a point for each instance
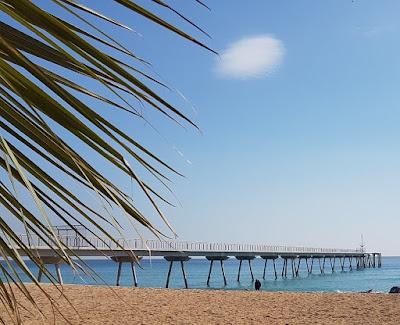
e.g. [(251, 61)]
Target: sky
[(299, 117), (305, 150)]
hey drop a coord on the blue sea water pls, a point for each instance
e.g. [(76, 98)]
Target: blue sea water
[(153, 273)]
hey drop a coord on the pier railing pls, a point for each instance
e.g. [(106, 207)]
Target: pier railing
[(77, 242)]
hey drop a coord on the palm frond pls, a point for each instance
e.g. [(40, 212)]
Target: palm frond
[(48, 126)]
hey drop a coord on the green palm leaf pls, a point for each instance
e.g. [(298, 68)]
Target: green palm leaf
[(42, 108)]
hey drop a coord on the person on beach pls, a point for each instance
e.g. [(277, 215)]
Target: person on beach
[(257, 284)]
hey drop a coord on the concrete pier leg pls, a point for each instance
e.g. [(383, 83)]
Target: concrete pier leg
[(286, 267), (133, 268), (240, 267), (126, 259), (178, 258), (320, 266), (251, 271), (51, 260), (184, 275), (169, 273), (312, 263), (283, 267), (292, 262), (39, 278), (298, 267), (276, 276), (350, 260), (323, 265), (223, 273), (209, 272), (118, 273), (341, 260), (58, 271), (332, 265), (265, 267), (221, 260), (308, 268)]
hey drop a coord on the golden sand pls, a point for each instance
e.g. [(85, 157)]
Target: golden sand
[(101, 305)]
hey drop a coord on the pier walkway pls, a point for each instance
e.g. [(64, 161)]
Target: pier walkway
[(178, 251)]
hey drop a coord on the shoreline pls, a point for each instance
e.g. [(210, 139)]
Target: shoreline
[(44, 284), (123, 305)]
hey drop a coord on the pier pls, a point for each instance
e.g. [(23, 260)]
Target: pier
[(131, 251)]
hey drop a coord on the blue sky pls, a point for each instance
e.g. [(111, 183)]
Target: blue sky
[(306, 155), (304, 152)]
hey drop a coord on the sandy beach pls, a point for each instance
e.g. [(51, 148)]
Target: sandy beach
[(101, 305)]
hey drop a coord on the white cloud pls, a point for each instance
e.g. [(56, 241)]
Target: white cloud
[(251, 57)]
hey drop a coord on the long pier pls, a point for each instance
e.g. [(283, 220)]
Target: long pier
[(181, 252)]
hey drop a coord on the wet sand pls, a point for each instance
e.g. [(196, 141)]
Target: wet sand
[(101, 305)]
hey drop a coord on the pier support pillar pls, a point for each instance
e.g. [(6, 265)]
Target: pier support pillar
[(312, 263), (332, 265), (265, 267), (308, 268), (171, 260), (245, 258), (342, 260), (320, 266), (298, 266), (240, 266), (126, 259), (222, 270), (118, 273), (251, 271), (266, 258), (221, 259), (54, 260), (350, 260), (209, 272), (184, 275), (285, 266), (293, 267)]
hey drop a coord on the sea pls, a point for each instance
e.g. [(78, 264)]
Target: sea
[(152, 273)]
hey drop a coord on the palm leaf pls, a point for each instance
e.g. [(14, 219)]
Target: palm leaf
[(49, 125)]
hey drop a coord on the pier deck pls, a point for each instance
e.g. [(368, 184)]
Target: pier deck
[(174, 251)]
